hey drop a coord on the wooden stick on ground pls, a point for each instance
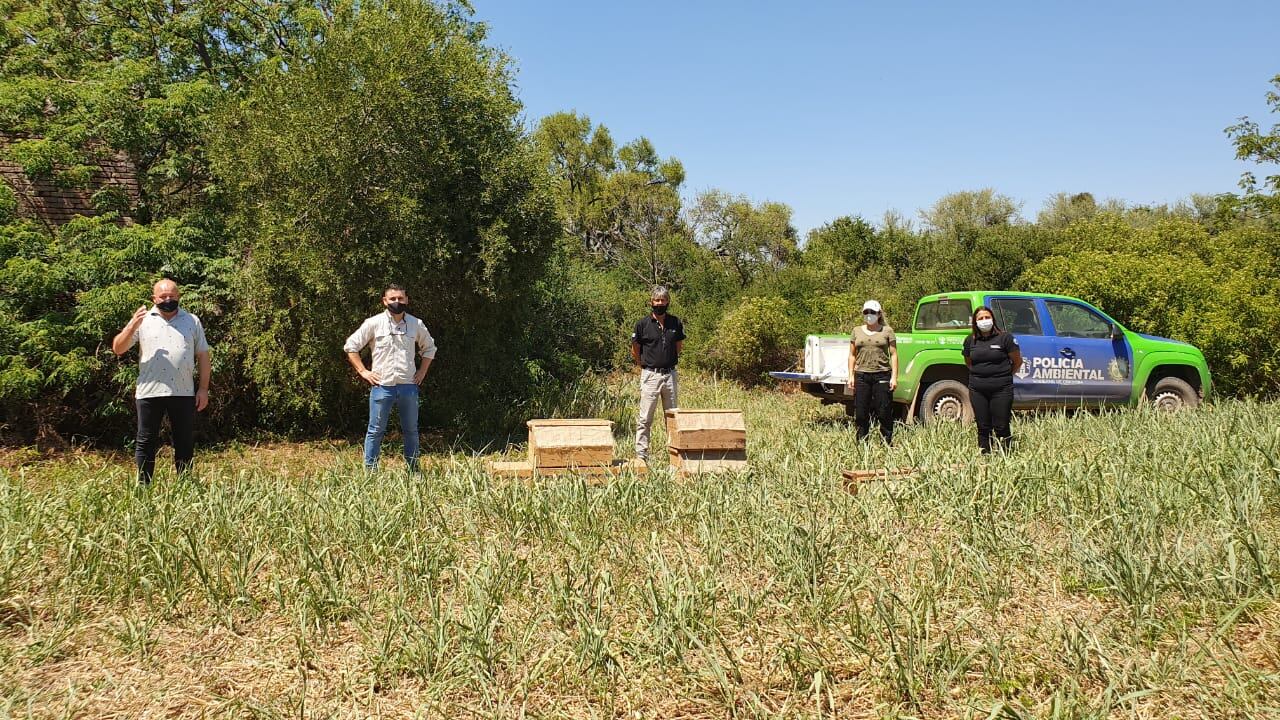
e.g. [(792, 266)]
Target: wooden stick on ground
[(854, 478), (528, 470)]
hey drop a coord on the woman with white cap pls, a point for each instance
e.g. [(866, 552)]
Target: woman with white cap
[(873, 371)]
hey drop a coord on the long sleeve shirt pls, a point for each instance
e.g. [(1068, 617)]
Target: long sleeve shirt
[(395, 345)]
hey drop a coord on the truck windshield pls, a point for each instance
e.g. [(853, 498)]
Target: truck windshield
[(943, 315)]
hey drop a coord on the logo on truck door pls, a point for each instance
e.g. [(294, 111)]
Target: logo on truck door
[(1118, 369)]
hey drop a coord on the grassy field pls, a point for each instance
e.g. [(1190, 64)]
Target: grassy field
[(1117, 565)]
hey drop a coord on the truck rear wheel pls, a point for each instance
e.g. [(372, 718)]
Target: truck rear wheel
[(946, 401), (1173, 394)]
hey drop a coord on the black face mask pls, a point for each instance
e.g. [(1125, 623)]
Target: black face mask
[(659, 309), (397, 307), (167, 306)]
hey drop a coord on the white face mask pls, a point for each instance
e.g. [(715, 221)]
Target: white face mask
[(871, 318), (985, 324)]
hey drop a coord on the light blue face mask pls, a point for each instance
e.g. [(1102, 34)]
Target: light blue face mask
[(985, 324), (871, 318)]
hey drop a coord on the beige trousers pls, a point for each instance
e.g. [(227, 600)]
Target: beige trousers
[(653, 385)]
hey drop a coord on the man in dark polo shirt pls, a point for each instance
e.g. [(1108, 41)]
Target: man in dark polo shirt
[(655, 346)]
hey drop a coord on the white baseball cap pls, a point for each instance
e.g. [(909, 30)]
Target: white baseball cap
[(871, 305)]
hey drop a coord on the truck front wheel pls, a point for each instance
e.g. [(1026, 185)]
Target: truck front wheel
[(946, 400), (1173, 394)]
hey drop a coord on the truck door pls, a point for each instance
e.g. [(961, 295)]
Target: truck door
[(1093, 366), (1022, 317)]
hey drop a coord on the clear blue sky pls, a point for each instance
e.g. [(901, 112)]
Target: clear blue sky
[(857, 108)]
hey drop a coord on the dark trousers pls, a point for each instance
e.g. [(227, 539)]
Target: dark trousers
[(872, 397), (182, 419), (992, 402)]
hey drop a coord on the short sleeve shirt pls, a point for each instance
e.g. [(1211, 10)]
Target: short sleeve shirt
[(394, 346), (989, 357), (872, 348), (658, 341), (167, 354)]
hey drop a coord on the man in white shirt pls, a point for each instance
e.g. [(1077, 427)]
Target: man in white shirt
[(399, 341), (172, 343)]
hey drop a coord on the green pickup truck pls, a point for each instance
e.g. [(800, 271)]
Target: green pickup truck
[(1073, 355)]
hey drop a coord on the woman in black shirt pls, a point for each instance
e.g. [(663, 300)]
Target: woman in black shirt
[(992, 356)]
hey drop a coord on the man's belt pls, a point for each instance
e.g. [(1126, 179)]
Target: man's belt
[(658, 369)]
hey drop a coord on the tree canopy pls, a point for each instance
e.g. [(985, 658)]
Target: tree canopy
[(356, 167)]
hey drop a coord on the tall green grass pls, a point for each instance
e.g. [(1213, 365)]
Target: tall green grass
[(1124, 564)]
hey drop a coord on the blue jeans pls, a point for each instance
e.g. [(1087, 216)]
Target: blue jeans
[(381, 400)]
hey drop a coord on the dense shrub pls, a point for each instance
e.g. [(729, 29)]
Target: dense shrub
[(64, 295), (1219, 292), (754, 337)]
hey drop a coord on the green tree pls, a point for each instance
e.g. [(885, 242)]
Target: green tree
[(748, 238), (579, 157), (845, 246), (1260, 146), (621, 212), (88, 79), (1065, 208), (620, 205), (959, 216), (393, 153), (636, 214), (81, 80)]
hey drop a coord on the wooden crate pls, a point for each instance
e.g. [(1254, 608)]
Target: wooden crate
[(563, 443), (692, 462), (706, 430)]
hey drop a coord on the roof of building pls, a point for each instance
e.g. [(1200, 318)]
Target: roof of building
[(46, 201)]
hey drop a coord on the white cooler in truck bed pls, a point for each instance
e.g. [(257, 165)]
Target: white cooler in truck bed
[(826, 368)]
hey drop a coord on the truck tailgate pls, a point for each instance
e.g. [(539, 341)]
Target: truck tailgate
[(795, 376)]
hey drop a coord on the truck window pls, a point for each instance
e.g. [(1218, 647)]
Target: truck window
[(1017, 315), (944, 315), (1072, 320)]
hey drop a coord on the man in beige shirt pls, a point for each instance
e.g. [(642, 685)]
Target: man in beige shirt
[(402, 352)]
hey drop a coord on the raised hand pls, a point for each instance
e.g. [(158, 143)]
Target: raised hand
[(138, 316)]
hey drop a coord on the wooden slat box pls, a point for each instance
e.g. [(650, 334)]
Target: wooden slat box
[(562, 443), (691, 462), (706, 430)]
